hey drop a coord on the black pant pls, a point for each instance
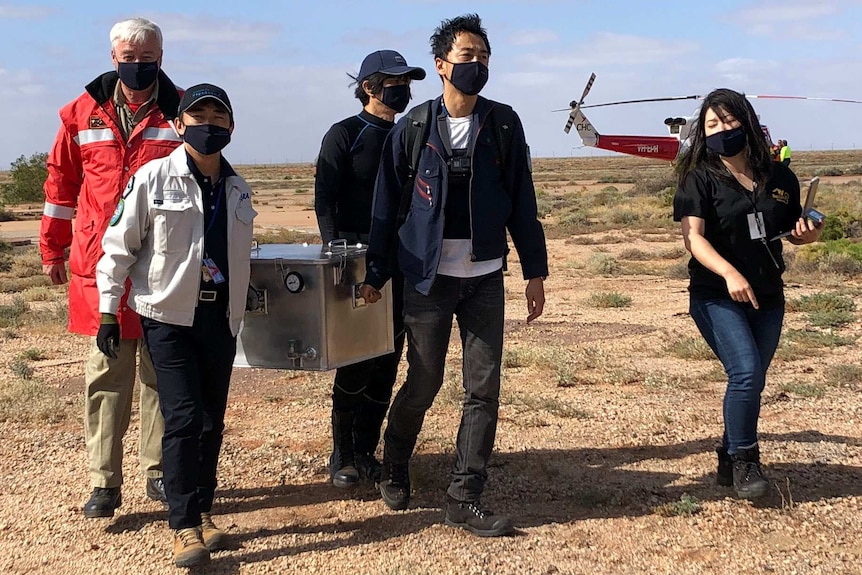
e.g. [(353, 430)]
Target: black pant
[(478, 303), (193, 367), (365, 388)]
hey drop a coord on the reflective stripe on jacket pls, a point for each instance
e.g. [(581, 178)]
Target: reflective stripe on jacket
[(158, 243), (88, 168)]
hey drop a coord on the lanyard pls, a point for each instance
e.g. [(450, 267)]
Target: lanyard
[(221, 192), (760, 226)]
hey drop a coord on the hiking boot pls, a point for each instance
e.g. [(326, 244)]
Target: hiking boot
[(724, 476), (103, 501), (189, 548), (156, 490), (342, 465), (395, 485), (213, 537), (748, 479), (471, 516), (369, 468)]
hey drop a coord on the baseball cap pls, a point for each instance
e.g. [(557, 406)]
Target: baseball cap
[(200, 92), (388, 62)]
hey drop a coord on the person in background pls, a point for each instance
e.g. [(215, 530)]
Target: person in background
[(343, 191), (732, 198), (183, 233), (784, 153), (121, 122)]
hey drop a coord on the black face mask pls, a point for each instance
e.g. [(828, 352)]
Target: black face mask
[(727, 143), (138, 75), (396, 97), (469, 77), (206, 139)]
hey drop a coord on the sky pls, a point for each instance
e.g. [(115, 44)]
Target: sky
[(284, 64)]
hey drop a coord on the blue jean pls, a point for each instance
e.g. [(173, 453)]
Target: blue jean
[(744, 339), (478, 304)]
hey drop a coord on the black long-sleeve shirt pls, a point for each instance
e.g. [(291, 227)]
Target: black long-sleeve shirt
[(345, 174)]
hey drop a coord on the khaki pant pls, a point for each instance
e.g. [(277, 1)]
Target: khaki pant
[(108, 407)]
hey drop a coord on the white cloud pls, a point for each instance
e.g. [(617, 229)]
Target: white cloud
[(211, 36), (608, 49), (745, 70), (14, 12), (792, 19), (531, 37)]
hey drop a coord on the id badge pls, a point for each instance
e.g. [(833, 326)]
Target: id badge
[(211, 272), (756, 229)]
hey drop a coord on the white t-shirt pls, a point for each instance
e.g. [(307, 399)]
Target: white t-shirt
[(455, 255)]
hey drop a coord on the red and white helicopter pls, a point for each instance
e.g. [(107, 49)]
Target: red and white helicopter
[(665, 148)]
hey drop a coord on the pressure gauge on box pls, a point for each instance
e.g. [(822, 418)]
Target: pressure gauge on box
[(294, 282)]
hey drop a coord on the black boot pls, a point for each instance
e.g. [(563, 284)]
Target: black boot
[(342, 464), (724, 477), (103, 501), (748, 479), (369, 418), (395, 485)]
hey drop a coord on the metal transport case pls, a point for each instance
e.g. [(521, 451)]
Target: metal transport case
[(306, 312)]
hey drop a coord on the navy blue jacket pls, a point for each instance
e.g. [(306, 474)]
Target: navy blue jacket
[(493, 208)]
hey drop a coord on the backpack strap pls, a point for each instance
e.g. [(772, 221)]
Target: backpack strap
[(415, 135)]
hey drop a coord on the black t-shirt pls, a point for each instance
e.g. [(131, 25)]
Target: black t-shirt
[(345, 173), (725, 206)]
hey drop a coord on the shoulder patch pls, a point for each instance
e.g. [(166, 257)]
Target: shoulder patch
[(244, 196), (118, 213), (96, 122)]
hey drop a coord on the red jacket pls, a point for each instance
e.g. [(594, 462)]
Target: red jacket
[(88, 169)]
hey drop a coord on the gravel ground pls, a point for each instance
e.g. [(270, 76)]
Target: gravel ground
[(603, 436)]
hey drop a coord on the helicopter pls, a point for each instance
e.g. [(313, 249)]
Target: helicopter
[(666, 148)]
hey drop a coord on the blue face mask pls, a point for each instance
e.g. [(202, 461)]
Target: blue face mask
[(138, 75), (727, 143), (206, 139), (396, 97)]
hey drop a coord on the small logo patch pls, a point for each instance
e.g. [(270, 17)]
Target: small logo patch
[(96, 122), (118, 213), (244, 196), (780, 195)]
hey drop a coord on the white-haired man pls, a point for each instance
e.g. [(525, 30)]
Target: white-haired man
[(119, 123)]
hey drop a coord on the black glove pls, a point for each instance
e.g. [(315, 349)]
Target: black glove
[(108, 338)]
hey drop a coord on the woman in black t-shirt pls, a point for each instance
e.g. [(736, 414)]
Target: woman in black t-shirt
[(732, 199)]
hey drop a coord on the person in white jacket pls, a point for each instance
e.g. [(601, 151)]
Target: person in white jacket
[(182, 233)]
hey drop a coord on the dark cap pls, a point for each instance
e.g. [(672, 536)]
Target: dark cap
[(204, 92), (388, 62)]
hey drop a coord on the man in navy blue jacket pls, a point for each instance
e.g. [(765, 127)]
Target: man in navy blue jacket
[(465, 194)]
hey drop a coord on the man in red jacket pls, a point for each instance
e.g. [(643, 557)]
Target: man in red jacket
[(122, 121)]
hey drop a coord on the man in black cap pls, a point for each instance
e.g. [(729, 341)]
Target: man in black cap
[(182, 233), (343, 192)]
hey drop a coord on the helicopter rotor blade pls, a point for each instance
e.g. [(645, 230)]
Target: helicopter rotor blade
[(576, 104), (774, 97)]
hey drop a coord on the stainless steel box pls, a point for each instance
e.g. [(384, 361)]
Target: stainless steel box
[(308, 311)]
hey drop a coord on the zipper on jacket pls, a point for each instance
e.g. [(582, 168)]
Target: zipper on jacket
[(470, 184)]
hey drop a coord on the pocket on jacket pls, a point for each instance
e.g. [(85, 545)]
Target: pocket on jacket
[(426, 188), (173, 224)]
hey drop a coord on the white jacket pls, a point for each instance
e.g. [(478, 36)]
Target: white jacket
[(156, 239)]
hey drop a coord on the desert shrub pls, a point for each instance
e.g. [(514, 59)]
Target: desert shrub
[(634, 254), (650, 184), (842, 256), (10, 314), (603, 264), (609, 299), (821, 302), (286, 236), (829, 171), (690, 348), (624, 217), (844, 375), (687, 505), (678, 271)]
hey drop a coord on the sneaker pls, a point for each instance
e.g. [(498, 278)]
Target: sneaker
[(472, 517), (189, 548), (213, 537), (103, 501), (369, 468), (748, 479), (395, 485), (724, 476), (156, 490)]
